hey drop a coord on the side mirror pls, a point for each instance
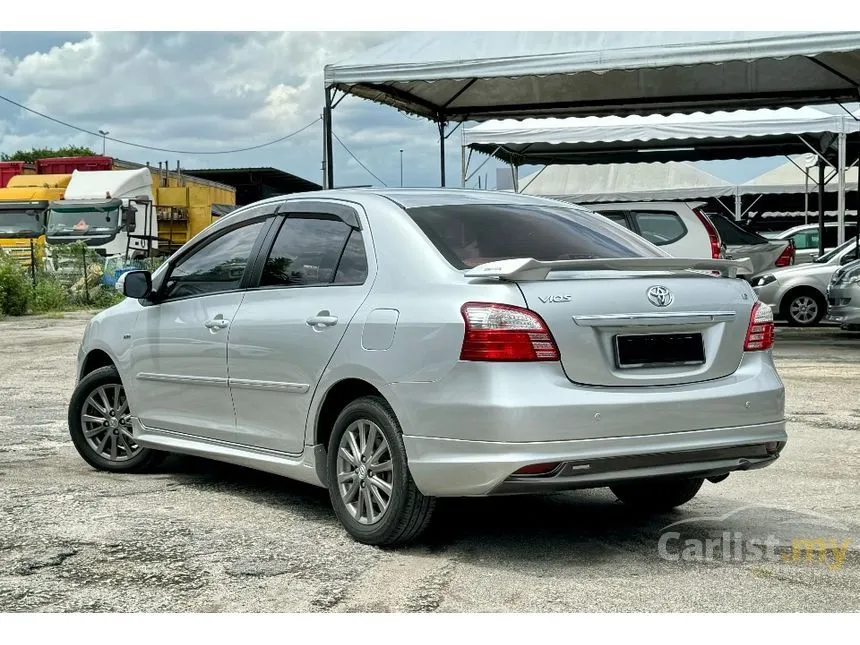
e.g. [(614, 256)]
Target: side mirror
[(129, 218), (137, 284), (848, 257)]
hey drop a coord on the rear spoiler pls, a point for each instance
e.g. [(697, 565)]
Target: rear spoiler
[(531, 269)]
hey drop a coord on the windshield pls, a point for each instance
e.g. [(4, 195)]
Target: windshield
[(472, 234), (92, 220), (24, 222), (823, 259), (733, 233)]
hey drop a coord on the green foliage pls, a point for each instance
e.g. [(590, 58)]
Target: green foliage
[(14, 286), (46, 153), (74, 282), (49, 295)]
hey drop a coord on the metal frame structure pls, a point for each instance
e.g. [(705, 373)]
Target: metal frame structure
[(456, 77), (679, 137)]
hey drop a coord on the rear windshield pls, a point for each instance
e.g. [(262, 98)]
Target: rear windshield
[(472, 234), (733, 233)]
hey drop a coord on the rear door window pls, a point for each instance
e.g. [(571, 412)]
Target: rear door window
[(313, 251), (471, 234), (659, 227), (806, 240)]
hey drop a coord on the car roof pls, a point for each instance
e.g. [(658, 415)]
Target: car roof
[(412, 198), (803, 227)]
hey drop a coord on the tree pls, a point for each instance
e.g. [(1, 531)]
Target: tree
[(44, 153)]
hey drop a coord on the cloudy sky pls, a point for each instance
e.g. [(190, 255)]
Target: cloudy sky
[(210, 91)]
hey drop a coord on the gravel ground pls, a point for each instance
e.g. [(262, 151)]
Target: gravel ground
[(207, 537)]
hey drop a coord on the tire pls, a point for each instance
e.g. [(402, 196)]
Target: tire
[(804, 308), (120, 454), (657, 496), (407, 512)]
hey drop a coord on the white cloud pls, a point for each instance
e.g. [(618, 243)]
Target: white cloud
[(207, 91)]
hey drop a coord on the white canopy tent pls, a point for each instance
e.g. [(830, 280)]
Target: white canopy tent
[(601, 183), (461, 76), (796, 176), (660, 138)]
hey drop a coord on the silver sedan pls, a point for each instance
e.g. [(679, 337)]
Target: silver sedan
[(403, 345), (843, 296)]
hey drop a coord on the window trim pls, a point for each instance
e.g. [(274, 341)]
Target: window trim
[(204, 243), (308, 211), (625, 215), (632, 215)]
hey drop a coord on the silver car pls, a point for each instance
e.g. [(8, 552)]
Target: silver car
[(798, 293), (399, 346), (843, 296)]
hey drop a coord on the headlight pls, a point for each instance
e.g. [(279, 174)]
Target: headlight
[(765, 279), (854, 279)]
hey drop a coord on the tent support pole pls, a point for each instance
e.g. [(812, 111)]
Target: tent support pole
[(820, 207), (463, 158), (329, 156), (441, 125), (536, 175), (841, 196), (737, 204), (515, 178)]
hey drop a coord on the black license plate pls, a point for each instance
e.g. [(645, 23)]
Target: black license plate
[(656, 350)]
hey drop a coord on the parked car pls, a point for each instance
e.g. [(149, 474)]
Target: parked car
[(843, 296), (798, 293), (682, 229), (741, 242), (396, 346), (806, 237)]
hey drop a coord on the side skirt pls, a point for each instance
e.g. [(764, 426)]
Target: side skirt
[(309, 467)]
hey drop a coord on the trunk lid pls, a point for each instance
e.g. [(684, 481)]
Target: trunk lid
[(632, 326)]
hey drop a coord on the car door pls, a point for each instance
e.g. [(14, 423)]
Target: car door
[(805, 245), (180, 341), (313, 280)]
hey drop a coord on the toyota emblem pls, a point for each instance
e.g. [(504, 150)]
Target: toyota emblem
[(660, 296)]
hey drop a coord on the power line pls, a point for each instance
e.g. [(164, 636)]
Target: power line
[(146, 147), (358, 160)]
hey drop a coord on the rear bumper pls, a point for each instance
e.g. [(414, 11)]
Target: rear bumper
[(456, 468), (468, 432)]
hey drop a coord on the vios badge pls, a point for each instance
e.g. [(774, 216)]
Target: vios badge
[(660, 296)]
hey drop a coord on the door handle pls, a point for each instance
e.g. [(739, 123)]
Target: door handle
[(217, 322), (322, 319)]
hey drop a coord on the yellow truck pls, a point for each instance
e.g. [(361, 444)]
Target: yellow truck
[(24, 204), (183, 205)]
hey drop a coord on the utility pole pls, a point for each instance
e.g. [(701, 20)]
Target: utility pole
[(401, 167), (104, 134)]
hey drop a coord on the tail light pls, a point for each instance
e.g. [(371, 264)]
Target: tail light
[(497, 332), (760, 330), (713, 235), (786, 258)]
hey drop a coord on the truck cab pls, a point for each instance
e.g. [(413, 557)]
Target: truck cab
[(23, 212), (111, 211)]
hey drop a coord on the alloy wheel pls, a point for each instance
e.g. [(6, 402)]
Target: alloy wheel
[(106, 424), (804, 309), (365, 477)]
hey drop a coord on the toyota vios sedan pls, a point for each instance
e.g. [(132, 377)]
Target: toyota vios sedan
[(399, 346)]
